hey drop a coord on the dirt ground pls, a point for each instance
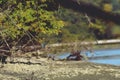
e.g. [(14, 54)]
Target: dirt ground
[(59, 70)]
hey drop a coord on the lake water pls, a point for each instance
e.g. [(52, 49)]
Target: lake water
[(108, 56)]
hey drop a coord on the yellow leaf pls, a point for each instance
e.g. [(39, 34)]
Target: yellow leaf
[(107, 7)]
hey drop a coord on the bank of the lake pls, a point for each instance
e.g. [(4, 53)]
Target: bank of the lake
[(60, 70)]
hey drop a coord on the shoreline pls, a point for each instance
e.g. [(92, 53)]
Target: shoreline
[(60, 70)]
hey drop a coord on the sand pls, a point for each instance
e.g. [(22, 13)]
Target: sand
[(59, 70)]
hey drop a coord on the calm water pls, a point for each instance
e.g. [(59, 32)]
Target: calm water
[(109, 56)]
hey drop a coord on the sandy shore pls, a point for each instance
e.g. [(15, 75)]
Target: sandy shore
[(59, 70)]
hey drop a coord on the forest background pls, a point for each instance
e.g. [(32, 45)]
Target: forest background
[(38, 20)]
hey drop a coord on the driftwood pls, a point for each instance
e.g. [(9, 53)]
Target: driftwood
[(30, 48)]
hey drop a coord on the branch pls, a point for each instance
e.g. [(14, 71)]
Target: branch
[(90, 10)]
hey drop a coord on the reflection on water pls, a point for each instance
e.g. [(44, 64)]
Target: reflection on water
[(109, 56)]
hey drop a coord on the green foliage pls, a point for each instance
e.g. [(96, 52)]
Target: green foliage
[(116, 29), (76, 26), (101, 28), (66, 36), (20, 16)]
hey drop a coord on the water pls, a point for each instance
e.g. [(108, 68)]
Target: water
[(108, 56)]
